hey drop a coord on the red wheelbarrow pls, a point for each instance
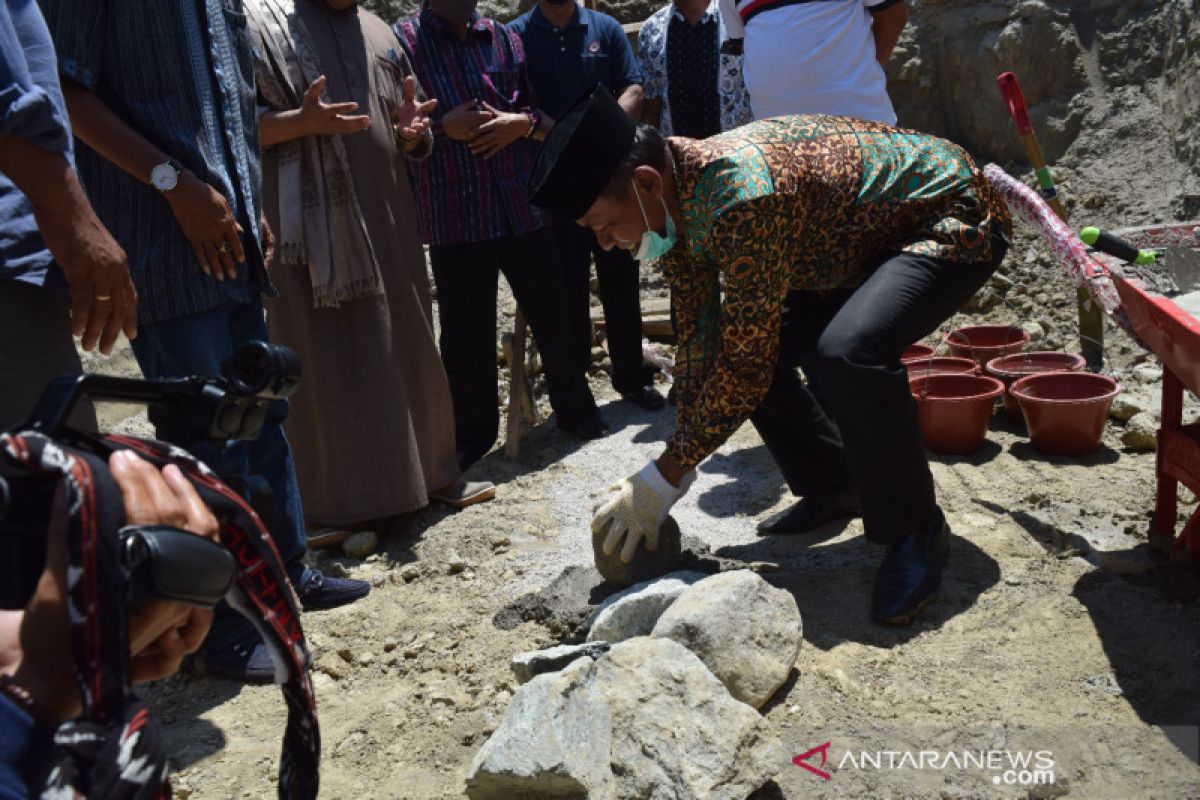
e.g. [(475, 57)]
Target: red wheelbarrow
[(1167, 327)]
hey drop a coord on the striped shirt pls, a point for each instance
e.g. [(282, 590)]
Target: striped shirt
[(462, 197), (181, 74)]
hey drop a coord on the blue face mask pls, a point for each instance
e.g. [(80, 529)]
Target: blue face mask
[(654, 244)]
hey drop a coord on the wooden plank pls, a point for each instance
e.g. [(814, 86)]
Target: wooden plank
[(654, 308), (656, 321)]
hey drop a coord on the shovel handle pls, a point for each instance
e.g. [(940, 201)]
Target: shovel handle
[(1010, 90)]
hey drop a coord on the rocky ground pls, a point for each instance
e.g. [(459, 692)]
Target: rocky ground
[(1058, 629), (1040, 640)]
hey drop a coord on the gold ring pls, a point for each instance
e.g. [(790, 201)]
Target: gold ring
[(103, 297), (221, 249)]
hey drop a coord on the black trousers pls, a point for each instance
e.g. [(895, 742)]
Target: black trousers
[(617, 274), (855, 423), (466, 278), (35, 325)]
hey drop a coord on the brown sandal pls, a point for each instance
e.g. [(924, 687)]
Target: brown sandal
[(327, 537), (463, 493)]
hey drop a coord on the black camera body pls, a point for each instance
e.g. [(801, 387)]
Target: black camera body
[(163, 563)]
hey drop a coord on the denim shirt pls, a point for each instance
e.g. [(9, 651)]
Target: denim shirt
[(181, 74), (31, 109)]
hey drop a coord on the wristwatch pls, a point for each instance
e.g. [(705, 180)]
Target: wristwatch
[(164, 176), (535, 119)]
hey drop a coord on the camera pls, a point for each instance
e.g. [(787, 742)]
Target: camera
[(163, 563)]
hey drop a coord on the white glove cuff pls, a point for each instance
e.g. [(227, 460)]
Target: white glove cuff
[(661, 486)]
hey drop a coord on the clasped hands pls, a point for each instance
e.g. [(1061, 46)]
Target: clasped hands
[(485, 129)]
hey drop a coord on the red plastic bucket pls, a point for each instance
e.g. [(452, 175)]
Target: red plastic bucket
[(916, 352), (941, 365), (1065, 411), (985, 342), (1013, 367), (954, 410)]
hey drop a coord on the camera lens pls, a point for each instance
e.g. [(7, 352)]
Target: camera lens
[(262, 369)]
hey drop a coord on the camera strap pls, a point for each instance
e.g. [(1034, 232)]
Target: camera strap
[(113, 749)]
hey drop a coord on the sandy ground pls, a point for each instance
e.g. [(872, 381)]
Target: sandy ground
[(1032, 646)]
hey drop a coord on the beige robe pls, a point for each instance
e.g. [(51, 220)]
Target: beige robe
[(371, 424)]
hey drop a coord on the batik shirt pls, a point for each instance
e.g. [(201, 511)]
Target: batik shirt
[(798, 203), (652, 58)]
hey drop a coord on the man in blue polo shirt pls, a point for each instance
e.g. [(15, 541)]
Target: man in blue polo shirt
[(570, 49)]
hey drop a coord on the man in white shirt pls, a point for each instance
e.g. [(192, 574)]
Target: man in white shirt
[(817, 56)]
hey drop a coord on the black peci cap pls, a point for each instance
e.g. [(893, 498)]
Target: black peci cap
[(580, 153)]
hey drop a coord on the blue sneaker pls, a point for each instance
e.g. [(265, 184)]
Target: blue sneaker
[(236, 652), (319, 591), (908, 578)]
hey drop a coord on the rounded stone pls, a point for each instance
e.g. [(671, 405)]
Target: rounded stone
[(361, 544), (646, 564), (1141, 432)]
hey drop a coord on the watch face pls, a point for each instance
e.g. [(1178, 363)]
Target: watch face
[(164, 177)]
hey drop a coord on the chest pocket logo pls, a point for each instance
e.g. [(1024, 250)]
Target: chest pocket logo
[(594, 48)]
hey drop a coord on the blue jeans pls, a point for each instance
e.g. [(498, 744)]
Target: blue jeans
[(196, 345)]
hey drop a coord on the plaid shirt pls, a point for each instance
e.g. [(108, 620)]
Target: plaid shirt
[(179, 73), (461, 197)]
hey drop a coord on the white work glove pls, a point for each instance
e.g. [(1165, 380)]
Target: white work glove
[(638, 510)]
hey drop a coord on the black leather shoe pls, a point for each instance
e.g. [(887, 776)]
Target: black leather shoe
[(647, 397), (812, 512), (910, 574), (591, 426)]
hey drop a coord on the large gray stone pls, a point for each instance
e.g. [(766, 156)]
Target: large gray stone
[(676, 732), (744, 629), (647, 721), (645, 564), (537, 662), (555, 740), (634, 611)]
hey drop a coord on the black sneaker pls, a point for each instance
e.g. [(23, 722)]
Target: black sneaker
[(320, 591), (812, 512), (238, 653), (587, 427), (647, 397)]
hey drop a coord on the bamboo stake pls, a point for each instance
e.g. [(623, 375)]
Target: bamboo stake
[(1091, 317)]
